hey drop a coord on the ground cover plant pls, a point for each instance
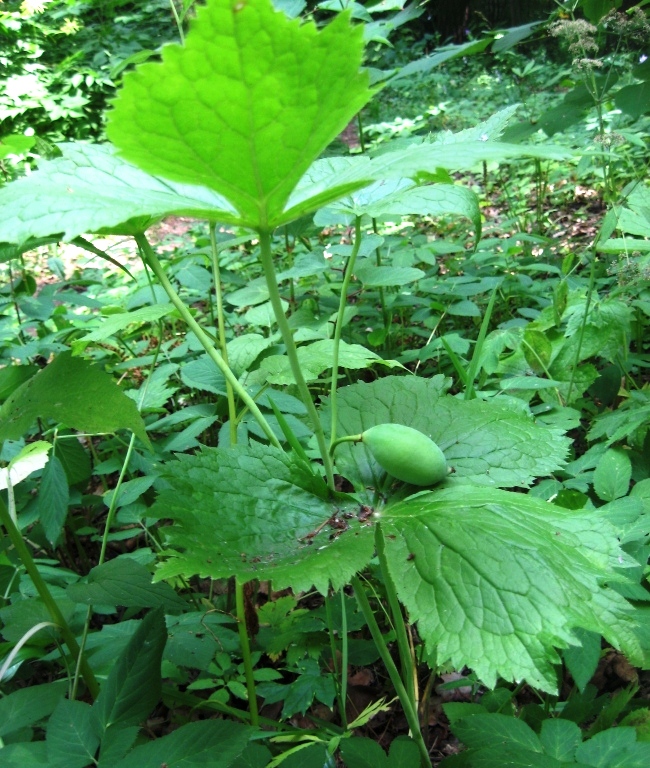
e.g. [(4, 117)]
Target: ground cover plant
[(349, 423)]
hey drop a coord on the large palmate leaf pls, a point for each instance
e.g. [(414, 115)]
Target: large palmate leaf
[(496, 580), (245, 106), (90, 189), (484, 443), (255, 512)]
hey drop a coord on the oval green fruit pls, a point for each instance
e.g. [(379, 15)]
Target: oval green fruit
[(406, 453)]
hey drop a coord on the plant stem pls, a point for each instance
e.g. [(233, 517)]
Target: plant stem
[(152, 260), (46, 596), (583, 325), (292, 352), (246, 652), (410, 713), (338, 329), (406, 657), (221, 326), (338, 676)]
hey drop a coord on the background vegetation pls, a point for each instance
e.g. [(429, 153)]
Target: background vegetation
[(195, 569)]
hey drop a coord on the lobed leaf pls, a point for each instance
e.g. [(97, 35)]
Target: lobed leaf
[(257, 513), (498, 580), (245, 106)]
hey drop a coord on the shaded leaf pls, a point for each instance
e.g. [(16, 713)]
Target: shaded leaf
[(27, 706), (133, 686), (124, 582), (72, 737), (74, 392)]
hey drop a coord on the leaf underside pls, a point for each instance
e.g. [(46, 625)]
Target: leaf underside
[(245, 105)]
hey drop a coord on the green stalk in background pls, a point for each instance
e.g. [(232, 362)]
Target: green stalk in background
[(221, 327), (338, 329), (206, 342), (46, 596), (292, 352)]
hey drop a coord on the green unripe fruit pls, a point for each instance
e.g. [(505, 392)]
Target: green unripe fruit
[(406, 453)]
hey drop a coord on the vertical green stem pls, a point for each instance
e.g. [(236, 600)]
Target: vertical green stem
[(292, 352), (338, 328), (583, 325), (246, 652), (344, 658), (221, 327), (152, 260), (405, 700), (338, 675), (407, 662), (46, 596)]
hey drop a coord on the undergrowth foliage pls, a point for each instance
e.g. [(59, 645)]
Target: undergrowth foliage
[(272, 550)]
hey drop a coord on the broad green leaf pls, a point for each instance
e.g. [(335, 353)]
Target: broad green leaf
[(90, 189), (364, 753), (244, 350), (402, 197), (53, 499), (72, 737), (73, 392), (498, 580), (115, 744), (133, 686), (634, 100), (244, 106), (12, 376), (27, 706), (316, 358), (214, 743), (504, 756), (484, 443), (614, 748), (31, 754), (255, 512), (124, 582), (493, 730), (560, 739), (612, 475)]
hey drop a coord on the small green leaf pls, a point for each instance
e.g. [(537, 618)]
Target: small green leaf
[(243, 107), (582, 660), (364, 753), (72, 737), (74, 392), (133, 686), (479, 731), (371, 275), (203, 374), (124, 582), (614, 748), (612, 475), (109, 326), (53, 499)]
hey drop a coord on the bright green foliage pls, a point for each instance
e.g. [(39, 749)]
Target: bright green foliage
[(495, 579), (484, 443), (90, 189), (254, 512), (73, 392), (245, 106)]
